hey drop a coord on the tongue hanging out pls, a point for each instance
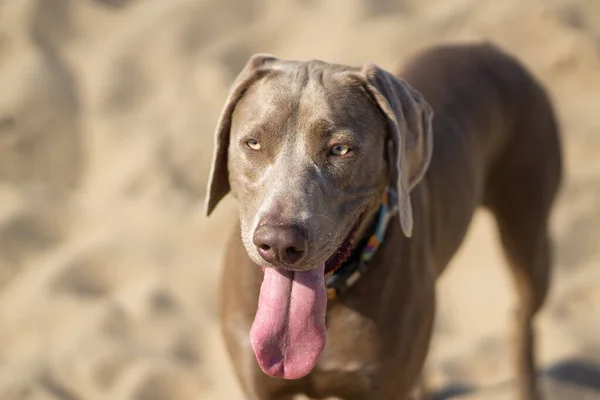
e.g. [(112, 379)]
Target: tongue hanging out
[(288, 334)]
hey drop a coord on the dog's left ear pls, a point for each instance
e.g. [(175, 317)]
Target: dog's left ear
[(409, 120), (218, 181)]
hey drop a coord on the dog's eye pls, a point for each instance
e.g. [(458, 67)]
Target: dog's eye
[(253, 144), (340, 150)]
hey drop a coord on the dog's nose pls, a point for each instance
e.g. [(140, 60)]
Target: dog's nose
[(280, 244)]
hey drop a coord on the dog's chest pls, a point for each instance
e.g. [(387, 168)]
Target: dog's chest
[(352, 343), (350, 360)]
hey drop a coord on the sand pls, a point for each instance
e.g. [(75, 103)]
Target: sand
[(108, 268)]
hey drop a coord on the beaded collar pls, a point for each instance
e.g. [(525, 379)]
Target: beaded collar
[(358, 264)]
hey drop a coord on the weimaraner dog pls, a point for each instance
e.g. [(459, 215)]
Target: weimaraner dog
[(355, 190)]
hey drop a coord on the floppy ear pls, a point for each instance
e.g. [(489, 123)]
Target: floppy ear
[(218, 180), (409, 120)]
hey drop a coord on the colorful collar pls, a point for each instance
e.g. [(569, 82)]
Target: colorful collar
[(358, 264)]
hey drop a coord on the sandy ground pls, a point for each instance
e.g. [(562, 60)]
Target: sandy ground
[(108, 268)]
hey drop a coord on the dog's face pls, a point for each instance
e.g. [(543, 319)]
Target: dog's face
[(308, 148), (307, 160)]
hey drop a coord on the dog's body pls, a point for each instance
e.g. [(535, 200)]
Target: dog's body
[(495, 144)]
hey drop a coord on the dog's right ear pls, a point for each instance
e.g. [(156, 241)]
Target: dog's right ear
[(218, 181)]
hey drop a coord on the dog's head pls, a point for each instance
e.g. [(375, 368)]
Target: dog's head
[(307, 148)]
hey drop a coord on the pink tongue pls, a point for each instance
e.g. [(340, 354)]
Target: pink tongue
[(288, 334)]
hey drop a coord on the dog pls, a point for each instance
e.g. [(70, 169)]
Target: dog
[(355, 189)]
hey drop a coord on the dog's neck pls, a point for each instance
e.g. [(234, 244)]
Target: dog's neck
[(369, 241)]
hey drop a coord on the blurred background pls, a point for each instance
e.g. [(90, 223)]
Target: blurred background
[(108, 268)]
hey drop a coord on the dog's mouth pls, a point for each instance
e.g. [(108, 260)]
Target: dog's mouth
[(343, 252), (288, 333)]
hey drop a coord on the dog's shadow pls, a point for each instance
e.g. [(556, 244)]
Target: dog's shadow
[(574, 373)]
